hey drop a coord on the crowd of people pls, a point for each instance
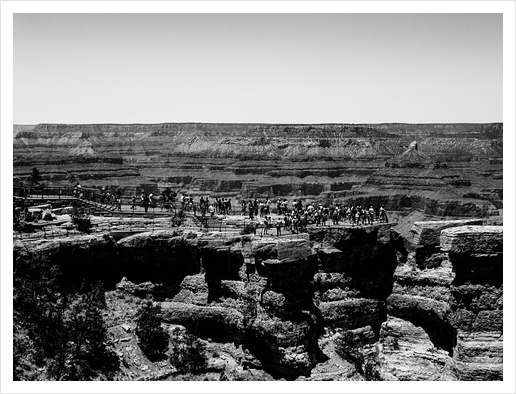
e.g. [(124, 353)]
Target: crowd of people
[(221, 206), (295, 217)]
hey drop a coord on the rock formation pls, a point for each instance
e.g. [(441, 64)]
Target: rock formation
[(461, 176), (427, 310)]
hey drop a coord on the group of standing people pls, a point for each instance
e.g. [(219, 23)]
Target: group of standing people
[(221, 206), (77, 191), (256, 207), (146, 200), (293, 216), (296, 219), (112, 198)]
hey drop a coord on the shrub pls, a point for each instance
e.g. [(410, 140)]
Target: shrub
[(153, 338), (83, 223), (178, 219), (82, 352), (187, 353), (65, 332)]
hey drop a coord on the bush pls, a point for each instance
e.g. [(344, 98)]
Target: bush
[(82, 353), (153, 338), (187, 353), (65, 332), (83, 223), (178, 219)]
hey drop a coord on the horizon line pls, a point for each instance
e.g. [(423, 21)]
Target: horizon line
[(249, 123)]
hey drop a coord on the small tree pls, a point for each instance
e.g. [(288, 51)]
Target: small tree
[(35, 176), (153, 338), (187, 353), (178, 219), (82, 352)]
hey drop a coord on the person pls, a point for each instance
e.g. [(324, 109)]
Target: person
[(383, 215), (133, 202), (371, 215), (278, 227), (119, 204), (145, 202), (211, 209), (251, 210), (265, 226), (335, 218)]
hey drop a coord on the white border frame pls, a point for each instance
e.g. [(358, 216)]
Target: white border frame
[(8, 8)]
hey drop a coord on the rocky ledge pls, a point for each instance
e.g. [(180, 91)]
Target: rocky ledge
[(388, 311)]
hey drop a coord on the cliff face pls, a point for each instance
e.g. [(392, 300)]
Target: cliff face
[(431, 310), (256, 160)]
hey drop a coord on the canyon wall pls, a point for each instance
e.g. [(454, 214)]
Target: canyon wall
[(431, 309), (460, 163)]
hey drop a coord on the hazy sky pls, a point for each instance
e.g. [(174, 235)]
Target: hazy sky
[(290, 68)]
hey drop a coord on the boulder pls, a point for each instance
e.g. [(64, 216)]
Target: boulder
[(473, 239)]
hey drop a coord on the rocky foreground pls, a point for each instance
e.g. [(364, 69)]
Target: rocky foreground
[(333, 304)]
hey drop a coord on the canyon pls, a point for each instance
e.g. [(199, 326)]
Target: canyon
[(419, 298), (456, 170), (338, 303)]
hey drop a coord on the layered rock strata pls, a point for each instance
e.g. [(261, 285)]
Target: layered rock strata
[(455, 296), (430, 312), (461, 174)]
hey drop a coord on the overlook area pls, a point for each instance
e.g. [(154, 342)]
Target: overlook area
[(457, 170)]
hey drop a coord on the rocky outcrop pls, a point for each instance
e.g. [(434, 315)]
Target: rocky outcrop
[(87, 258), (286, 325), (476, 254), (426, 240), (455, 296), (405, 352), (164, 256), (433, 312)]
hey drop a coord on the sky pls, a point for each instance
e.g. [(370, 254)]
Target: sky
[(272, 68)]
